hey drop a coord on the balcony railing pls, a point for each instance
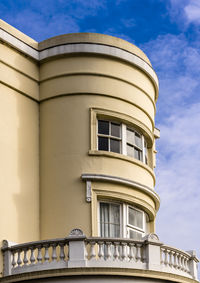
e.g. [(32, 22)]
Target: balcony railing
[(79, 251)]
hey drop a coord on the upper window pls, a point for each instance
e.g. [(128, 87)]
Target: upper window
[(120, 138), (121, 220), (109, 136)]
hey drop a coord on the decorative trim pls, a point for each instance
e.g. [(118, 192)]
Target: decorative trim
[(64, 75), (81, 48), (125, 158), (88, 191), (76, 232), (104, 50), (18, 44), (107, 178)]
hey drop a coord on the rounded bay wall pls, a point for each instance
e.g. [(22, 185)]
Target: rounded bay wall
[(76, 90)]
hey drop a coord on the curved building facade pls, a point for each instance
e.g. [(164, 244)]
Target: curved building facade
[(78, 151)]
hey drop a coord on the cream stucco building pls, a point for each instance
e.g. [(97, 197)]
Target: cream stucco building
[(77, 147)]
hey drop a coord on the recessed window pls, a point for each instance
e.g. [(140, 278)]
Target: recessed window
[(109, 220), (109, 136), (121, 220), (120, 138)]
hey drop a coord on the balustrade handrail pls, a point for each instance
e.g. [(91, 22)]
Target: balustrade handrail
[(77, 250), (169, 248), (35, 244), (113, 240)]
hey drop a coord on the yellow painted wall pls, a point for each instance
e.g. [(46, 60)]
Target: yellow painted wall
[(69, 88), (19, 167), (48, 136), (19, 146)]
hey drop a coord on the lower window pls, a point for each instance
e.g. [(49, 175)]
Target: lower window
[(121, 220)]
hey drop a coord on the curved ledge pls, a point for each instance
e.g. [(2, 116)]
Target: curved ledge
[(127, 182), (87, 272), (103, 50), (125, 158)]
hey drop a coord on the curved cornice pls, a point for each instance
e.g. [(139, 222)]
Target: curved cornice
[(103, 47), (123, 181)]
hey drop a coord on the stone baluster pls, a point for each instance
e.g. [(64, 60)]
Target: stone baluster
[(101, 250), (131, 252), (116, 251), (54, 254), (62, 253), (181, 262), (46, 254), (19, 261), (161, 255), (108, 251), (39, 255), (92, 250), (170, 258), (32, 257), (178, 261), (25, 260), (138, 256), (175, 260), (124, 251), (185, 263), (13, 259), (166, 262)]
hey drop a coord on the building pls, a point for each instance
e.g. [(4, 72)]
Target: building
[(77, 149)]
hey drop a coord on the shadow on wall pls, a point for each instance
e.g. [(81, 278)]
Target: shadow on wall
[(19, 164)]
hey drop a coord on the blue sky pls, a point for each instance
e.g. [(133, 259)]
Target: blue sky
[(168, 31)]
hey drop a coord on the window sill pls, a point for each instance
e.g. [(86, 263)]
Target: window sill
[(122, 157)]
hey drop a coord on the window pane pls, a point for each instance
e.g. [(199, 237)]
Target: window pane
[(103, 143), (137, 154), (138, 140), (103, 127), (114, 213), (130, 150), (130, 136), (135, 217), (114, 220), (109, 220), (146, 153), (115, 130), (104, 219), (115, 145), (135, 235)]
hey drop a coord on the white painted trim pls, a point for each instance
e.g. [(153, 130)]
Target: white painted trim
[(88, 191), (94, 48), (18, 44), (100, 49), (119, 180)]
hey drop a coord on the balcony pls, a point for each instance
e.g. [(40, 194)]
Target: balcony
[(78, 251)]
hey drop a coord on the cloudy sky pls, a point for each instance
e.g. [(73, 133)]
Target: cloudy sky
[(169, 33)]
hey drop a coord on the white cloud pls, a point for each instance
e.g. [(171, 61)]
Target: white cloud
[(192, 11), (185, 12), (178, 161), (178, 178), (177, 65), (128, 23)]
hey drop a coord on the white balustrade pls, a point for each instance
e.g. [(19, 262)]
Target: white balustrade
[(79, 251)]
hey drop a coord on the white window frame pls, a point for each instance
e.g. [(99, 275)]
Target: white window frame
[(123, 140), (120, 211), (109, 136), (125, 227)]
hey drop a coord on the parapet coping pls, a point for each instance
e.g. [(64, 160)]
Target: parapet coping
[(90, 43)]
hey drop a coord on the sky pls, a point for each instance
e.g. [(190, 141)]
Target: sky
[(168, 31)]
